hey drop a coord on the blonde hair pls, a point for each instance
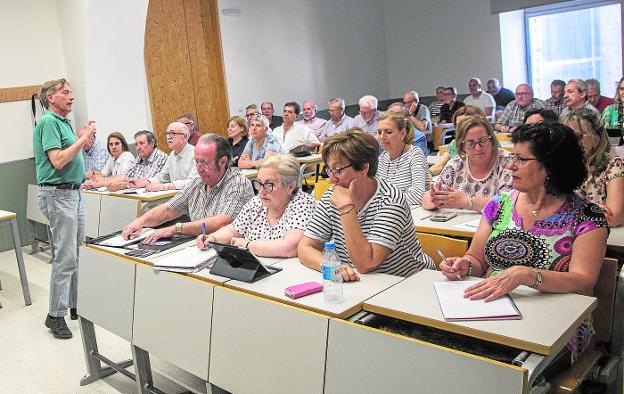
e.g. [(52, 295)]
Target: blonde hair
[(468, 123), (242, 122), (588, 122), (286, 165), (401, 123)]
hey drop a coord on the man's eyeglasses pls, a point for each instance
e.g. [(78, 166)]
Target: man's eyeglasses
[(336, 171), (204, 164), (483, 141), (520, 94), (173, 133), (519, 160), (267, 186)]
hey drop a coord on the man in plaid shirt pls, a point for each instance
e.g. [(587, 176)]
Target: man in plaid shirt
[(513, 115)]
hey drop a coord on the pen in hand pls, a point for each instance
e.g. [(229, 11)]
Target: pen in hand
[(203, 230), (446, 261)]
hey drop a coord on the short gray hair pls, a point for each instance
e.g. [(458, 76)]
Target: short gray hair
[(338, 101), (223, 147), (261, 118), (580, 84), (183, 127), (476, 79), (50, 87), (369, 101), (287, 168), (593, 82)]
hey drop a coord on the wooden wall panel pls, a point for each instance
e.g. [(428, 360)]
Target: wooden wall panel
[(184, 64), (18, 93)]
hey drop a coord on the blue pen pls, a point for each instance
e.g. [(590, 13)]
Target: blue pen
[(203, 228)]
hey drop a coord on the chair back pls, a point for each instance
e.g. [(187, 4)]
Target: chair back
[(450, 247), (604, 291), (503, 137), (320, 187)]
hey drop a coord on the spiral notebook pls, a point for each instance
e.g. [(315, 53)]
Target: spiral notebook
[(457, 308)]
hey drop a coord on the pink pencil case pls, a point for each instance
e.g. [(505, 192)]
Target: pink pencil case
[(303, 289)]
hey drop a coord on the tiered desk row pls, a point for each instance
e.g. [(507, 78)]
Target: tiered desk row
[(250, 338)]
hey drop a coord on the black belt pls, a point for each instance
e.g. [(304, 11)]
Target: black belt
[(67, 186)]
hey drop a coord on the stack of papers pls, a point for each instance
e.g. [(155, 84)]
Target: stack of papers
[(189, 259), (457, 308), (118, 241)]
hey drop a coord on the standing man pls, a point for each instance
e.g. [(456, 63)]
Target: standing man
[(555, 102), (369, 115), (513, 116), (575, 97), (291, 134), (94, 152), (188, 120), (479, 98), (267, 110), (594, 97), (417, 113), (338, 121), (502, 96), (60, 172), (309, 118)]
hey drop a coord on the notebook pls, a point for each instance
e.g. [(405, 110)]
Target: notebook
[(457, 308)]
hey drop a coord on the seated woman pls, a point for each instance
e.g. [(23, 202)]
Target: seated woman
[(478, 172), (613, 115), (451, 148), (260, 145), (272, 223), (119, 161), (541, 234), (401, 164), (237, 133), (537, 115), (605, 181), (367, 217)]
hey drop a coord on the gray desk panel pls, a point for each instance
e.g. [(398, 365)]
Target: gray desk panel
[(363, 360), (259, 346), (172, 318), (106, 289), (92, 203)]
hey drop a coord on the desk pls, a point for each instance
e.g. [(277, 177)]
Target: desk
[(616, 238), (425, 225), (106, 212), (11, 217), (250, 173)]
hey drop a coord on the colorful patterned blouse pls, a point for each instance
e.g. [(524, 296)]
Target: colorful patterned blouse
[(595, 186), (547, 245)]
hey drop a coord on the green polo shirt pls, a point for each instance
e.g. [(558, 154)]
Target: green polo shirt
[(55, 132)]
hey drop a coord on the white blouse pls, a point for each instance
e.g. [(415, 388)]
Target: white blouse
[(118, 167)]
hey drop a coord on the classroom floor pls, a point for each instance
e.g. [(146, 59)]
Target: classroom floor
[(32, 361)]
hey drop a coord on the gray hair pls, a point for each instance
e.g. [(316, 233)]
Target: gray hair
[(148, 135), (261, 118), (580, 84), (287, 168), (223, 147), (338, 101), (476, 79), (368, 101), (413, 93), (593, 82), (181, 126), (50, 87), (252, 106), (189, 117)]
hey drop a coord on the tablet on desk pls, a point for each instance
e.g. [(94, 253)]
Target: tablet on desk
[(239, 263)]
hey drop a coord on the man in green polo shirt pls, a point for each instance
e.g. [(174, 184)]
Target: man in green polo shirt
[(60, 172)]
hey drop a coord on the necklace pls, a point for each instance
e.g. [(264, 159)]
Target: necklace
[(534, 212), (396, 166)]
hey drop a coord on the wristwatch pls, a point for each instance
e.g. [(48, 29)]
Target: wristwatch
[(178, 228), (539, 279)]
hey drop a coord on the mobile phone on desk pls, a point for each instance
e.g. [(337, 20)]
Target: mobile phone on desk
[(443, 216), (303, 289)]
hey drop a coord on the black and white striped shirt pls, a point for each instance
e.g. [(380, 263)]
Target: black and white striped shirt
[(225, 198), (408, 173), (385, 220)]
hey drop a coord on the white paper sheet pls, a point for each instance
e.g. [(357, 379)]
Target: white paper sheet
[(118, 240)]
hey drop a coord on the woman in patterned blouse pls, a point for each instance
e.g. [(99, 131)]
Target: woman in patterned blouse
[(605, 173), (272, 223), (541, 234), (261, 145)]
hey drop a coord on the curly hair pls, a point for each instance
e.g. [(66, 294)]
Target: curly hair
[(556, 147)]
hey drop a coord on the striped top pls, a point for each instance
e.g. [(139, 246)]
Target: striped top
[(385, 220), (408, 172), (225, 198)]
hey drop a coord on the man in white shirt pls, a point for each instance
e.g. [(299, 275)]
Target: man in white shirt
[(309, 118), (291, 134), (179, 169), (479, 98)]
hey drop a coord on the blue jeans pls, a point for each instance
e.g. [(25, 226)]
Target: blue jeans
[(64, 210)]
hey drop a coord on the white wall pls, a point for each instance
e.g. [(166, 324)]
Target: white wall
[(440, 42), (32, 52), (286, 50)]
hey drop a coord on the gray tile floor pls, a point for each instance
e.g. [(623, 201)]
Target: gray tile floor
[(32, 361)]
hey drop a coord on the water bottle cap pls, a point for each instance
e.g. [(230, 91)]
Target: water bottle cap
[(330, 245)]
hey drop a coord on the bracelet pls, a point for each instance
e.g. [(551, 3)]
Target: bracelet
[(470, 202), (539, 278), (247, 244), (345, 209)]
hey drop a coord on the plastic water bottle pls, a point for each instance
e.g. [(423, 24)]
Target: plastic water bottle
[(332, 277)]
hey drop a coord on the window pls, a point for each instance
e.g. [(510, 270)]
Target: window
[(579, 41)]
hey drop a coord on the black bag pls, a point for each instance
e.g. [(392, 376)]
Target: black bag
[(301, 151)]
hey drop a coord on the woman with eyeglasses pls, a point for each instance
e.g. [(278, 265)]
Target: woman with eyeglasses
[(260, 145), (120, 158), (271, 223), (605, 181), (368, 218), (540, 234), (479, 171), (237, 133), (401, 163)]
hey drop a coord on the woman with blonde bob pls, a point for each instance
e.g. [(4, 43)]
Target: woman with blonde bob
[(401, 163), (479, 172), (604, 185), (272, 223), (237, 133)]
